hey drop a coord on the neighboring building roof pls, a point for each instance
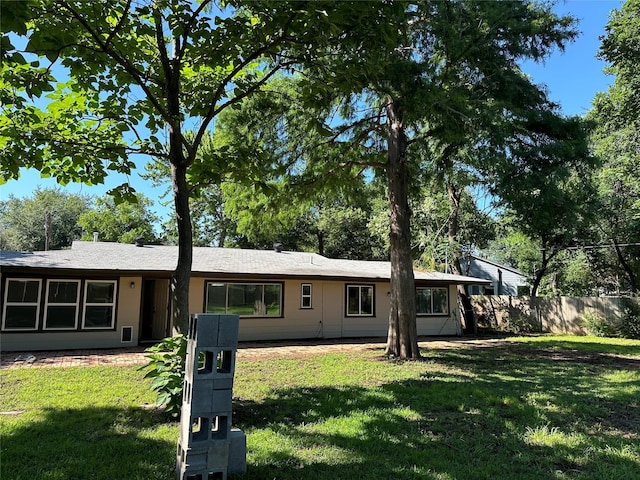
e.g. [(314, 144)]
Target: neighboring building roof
[(107, 256), (496, 264)]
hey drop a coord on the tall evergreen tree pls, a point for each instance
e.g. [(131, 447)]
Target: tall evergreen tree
[(452, 80)]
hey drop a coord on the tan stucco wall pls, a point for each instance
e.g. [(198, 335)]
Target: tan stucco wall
[(326, 318), (330, 297), (129, 306), (196, 295), (443, 324), (127, 314)]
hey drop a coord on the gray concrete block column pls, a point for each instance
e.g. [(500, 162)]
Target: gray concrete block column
[(208, 448)]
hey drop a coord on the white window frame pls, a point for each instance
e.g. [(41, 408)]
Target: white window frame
[(23, 304), (360, 288), (47, 304), (99, 304), (226, 296), (432, 313), (306, 296)]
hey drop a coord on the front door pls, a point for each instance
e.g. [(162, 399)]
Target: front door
[(155, 307)]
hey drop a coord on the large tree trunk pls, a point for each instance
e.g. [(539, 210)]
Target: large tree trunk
[(402, 340), (320, 236), (182, 274), (544, 265), (179, 164), (470, 325), (631, 276)]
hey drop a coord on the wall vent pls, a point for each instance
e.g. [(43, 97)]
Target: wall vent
[(126, 335)]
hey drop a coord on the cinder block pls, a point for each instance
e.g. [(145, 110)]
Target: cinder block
[(185, 423), (207, 402), (210, 458), (222, 400), (221, 426), (218, 455), (193, 324), (201, 474), (228, 331), (194, 456), (201, 428), (190, 361), (237, 452), (207, 326), (200, 395), (223, 383), (205, 443), (211, 362)]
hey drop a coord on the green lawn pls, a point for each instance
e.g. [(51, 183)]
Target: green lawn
[(528, 408)]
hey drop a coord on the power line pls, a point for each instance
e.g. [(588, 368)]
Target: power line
[(587, 247)]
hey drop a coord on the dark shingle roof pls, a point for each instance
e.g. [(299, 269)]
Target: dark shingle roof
[(106, 256)]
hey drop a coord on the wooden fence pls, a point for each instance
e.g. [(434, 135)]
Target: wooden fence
[(545, 314)]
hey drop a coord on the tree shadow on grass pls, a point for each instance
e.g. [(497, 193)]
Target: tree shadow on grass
[(490, 425), (88, 443)]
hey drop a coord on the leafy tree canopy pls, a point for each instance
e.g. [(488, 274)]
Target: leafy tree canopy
[(621, 48), (140, 75), (615, 141), (123, 222), (25, 222)]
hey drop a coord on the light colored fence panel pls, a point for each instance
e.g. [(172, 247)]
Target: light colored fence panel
[(544, 314)]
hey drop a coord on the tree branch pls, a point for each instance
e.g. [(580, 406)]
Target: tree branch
[(213, 111), (119, 59), (119, 24), (189, 25)]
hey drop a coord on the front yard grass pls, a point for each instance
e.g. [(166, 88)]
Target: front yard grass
[(526, 408)]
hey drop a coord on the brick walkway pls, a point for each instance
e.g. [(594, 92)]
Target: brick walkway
[(246, 350)]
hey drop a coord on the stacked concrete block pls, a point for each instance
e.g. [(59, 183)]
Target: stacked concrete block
[(208, 448)]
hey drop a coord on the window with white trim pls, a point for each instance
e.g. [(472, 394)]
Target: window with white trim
[(359, 300), (21, 304), (305, 295), (61, 306), (432, 300), (99, 304), (245, 299)]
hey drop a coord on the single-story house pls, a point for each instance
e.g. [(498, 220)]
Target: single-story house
[(106, 295), (504, 280)]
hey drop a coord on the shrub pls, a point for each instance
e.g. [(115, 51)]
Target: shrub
[(166, 367), (630, 320), (596, 324)]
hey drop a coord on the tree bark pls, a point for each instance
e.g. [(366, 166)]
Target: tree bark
[(402, 339), (179, 163), (182, 274), (631, 276), (470, 325), (536, 281), (320, 236), (542, 270)]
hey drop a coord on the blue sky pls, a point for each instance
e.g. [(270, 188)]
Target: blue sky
[(572, 79)]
